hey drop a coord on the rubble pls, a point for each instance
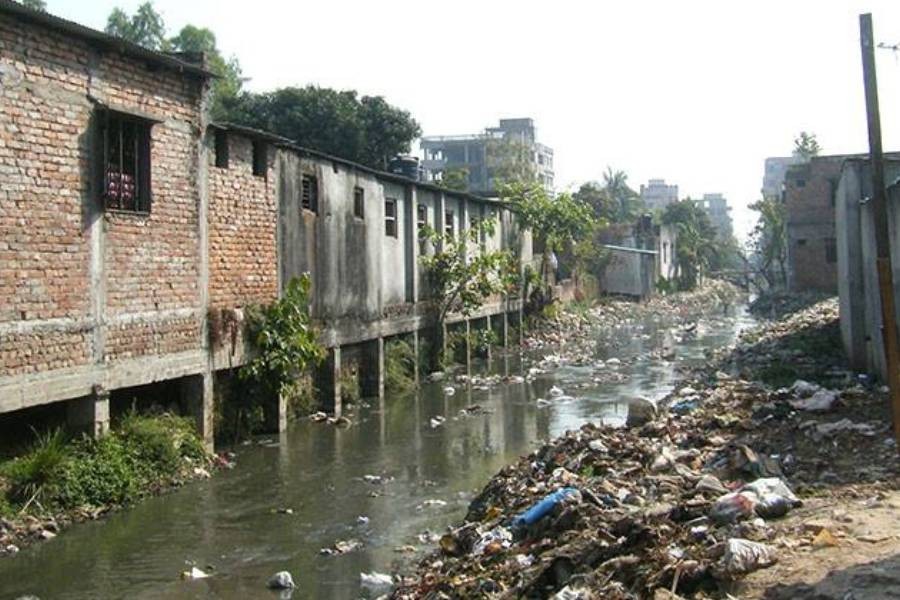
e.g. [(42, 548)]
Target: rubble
[(687, 502)]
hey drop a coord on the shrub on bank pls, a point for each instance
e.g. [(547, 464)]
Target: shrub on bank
[(141, 454)]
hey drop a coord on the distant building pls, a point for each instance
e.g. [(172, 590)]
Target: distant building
[(658, 195), (776, 168), (716, 207), (639, 257), (472, 153)]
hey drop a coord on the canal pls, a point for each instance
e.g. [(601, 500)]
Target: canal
[(391, 481)]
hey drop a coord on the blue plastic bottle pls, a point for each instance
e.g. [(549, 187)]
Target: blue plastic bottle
[(542, 508)]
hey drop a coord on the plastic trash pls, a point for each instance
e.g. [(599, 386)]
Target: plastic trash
[(281, 580), (743, 556), (774, 497), (683, 407), (820, 401), (449, 390), (804, 389), (490, 542), (543, 508), (436, 422), (194, 573), (556, 391), (377, 583), (734, 507)]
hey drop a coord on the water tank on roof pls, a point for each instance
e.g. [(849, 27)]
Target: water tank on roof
[(406, 166)]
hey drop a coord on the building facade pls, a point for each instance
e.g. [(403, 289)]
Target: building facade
[(775, 169), (134, 234), (657, 195), (487, 156), (719, 213)]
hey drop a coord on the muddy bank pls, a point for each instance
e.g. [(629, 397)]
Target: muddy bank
[(718, 486)]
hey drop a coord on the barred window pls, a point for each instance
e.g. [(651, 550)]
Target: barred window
[(421, 216), (260, 158), (449, 228), (390, 217), (309, 197), (221, 148), (359, 203), (125, 162)]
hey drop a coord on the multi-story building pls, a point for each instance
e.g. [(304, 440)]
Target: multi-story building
[(494, 154), (773, 177), (657, 195), (134, 233), (716, 207)]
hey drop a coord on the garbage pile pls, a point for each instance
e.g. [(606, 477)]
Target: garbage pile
[(688, 502)]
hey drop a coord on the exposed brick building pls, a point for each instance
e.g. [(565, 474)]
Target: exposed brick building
[(133, 233)]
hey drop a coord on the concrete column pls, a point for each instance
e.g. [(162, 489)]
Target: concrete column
[(468, 347), (371, 369), (505, 329), (275, 414), (490, 330), (411, 239), (89, 414), (415, 345), (328, 381), (197, 400)]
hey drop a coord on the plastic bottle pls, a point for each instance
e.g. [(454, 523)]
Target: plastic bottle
[(542, 508)]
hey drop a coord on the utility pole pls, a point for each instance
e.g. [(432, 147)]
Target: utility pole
[(879, 211)]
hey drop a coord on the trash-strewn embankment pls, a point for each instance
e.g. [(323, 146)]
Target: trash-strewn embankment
[(60, 481), (688, 503)]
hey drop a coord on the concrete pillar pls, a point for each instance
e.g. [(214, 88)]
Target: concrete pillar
[(328, 381), (468, 343), (415, 345), (275, 414), (490, 330), (197, 400), (371, 369), (411, 239), (505, 329), (89, 414)]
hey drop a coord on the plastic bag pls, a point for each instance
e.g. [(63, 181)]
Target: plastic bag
[(734, 507), (743, 556)]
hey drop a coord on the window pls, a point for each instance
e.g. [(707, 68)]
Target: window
[(125, 162), (830, 250), (801, 242), (221, 148), (260, 158), (448, 223), (421, 216), (390, 217), (309, 194), (359, 203), (800, 183)]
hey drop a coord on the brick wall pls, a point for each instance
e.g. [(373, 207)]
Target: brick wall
[(809, 203), (243, 264), (150, 263)]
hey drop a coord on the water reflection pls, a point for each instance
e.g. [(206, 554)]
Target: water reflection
[(231, 523)]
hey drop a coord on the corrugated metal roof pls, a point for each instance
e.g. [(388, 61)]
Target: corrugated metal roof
[(627, 249)]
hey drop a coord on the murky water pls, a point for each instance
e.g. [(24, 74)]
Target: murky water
[(232, 524)]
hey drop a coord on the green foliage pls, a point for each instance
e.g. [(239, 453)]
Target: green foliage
[(460, 274), (456, 178), (230, 80), (350, 388), (806, 145), (769, 239), (141, 453), (366, 130), (696, 247), (34, 4), (613, 201), (32, 478), (284, 338), (145, 27), (556, 221), (399, 366), (509, 161), (483, 339)]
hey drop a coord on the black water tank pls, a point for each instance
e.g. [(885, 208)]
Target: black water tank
[(406, 166)]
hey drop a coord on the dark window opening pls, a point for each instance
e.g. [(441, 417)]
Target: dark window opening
[(801, 183), (449, 230), (390, 217), (359, 203), (801, 242), (126, 162), (260, 158), (830, 250), (221, 148), (421, 216), (309, 197)]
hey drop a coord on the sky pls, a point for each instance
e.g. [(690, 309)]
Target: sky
[(697, 93)]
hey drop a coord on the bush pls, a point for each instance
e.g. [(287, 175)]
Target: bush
[(33, 477), (399, 366), (101, 472)]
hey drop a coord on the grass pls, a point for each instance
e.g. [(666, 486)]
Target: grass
[(57, 473)]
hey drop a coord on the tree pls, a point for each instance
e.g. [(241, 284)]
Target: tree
[(34, 4), (227, 86), (806, 146), (769, 239), (613, 200), (557, 223), (146, 27), (458, 279), (366, 130), (696, 246), (509, 160)]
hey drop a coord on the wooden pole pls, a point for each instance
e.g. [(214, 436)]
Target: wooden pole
[(879, 210)]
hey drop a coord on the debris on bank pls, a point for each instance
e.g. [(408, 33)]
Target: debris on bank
[(692, 500)]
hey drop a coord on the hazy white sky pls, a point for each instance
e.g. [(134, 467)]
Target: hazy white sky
[(696, 92)]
